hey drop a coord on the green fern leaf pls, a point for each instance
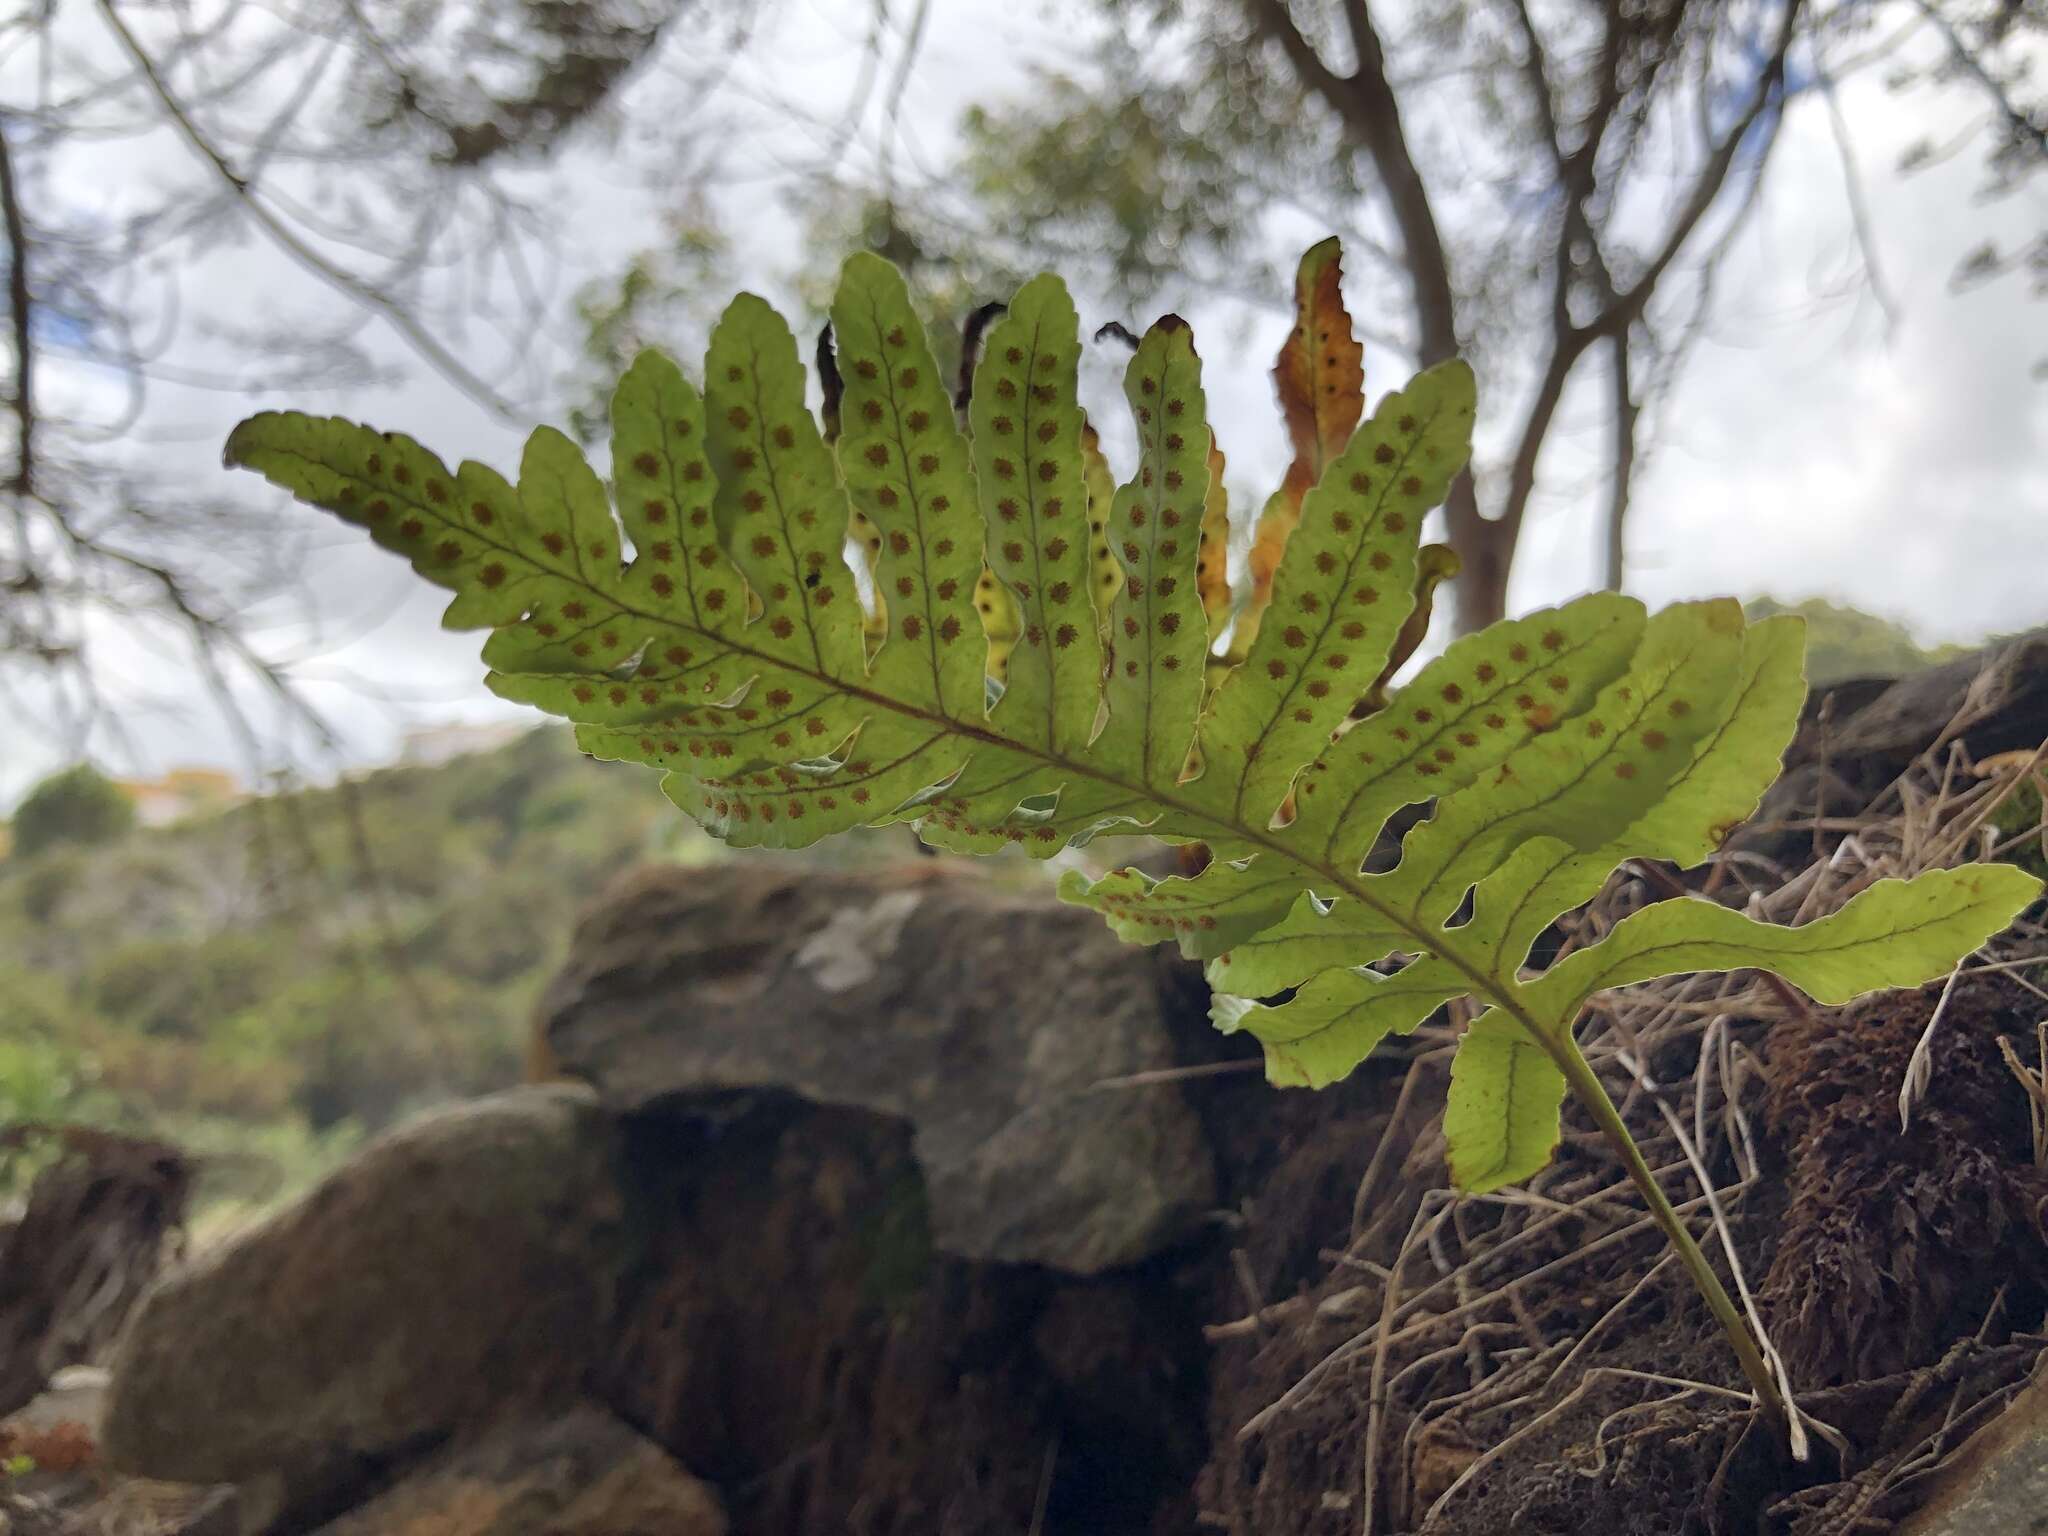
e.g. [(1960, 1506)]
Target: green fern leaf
[(1314, 936), (1333, 1023), (1897, 933), (1501, 1116), (1035, 670), (1319, 379), (1732, 766), (1342, 590), (907, 468)]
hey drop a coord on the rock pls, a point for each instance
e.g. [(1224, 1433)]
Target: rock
[(581, 1473), (102, 1216), (458, 1265), (1998, 1483), (981, 1015), (1874, 728), (790, 1333), (2002, 690), (92, 1504), (69, 1491), (75, 1395)]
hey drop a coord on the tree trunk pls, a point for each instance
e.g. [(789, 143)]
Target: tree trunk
[(1485, 554), (1485, 548)]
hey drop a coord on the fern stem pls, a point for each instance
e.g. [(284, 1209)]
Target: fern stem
[(1592, 1093)]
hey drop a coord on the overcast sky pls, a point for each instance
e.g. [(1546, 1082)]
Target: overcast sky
[(1811, 450)]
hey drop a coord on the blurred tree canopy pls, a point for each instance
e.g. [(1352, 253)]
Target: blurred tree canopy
[(390, 153), (1546, 186), (274, 979), (1844, 643), (1549, 189)]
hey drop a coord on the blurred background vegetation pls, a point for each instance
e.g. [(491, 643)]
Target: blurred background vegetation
[(267, 984)]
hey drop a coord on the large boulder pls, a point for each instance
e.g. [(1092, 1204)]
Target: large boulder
[(580, 1473), (790, 1333), (1997, 1483), (456, 1268), (1994, 700), (985, 1016)]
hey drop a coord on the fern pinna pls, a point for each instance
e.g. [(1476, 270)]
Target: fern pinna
[(1013, 650)]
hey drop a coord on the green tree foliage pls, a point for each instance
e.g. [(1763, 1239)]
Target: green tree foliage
[(166, 985), (733, 652), (79, 806), (269, 982), (1843, 643)]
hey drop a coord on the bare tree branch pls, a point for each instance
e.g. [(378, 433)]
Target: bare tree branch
[(287, 240), (2020, 126), (1366, 104), (1625, 412), (1623, 308), (23, 399), (1767, 94)]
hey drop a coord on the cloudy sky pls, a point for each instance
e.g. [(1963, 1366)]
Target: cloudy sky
[(1813, 448)]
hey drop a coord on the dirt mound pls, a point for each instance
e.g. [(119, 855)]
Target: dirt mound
[(1882, 1261), (1544, 1350)]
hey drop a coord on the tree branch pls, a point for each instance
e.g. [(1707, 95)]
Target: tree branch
[(1569, 345), (22, 482), (2019, 126), (1617, 317), (1364, 102), (1625, 414), (287, 240), (1576, 167), (1536, 70), (1620, 309)]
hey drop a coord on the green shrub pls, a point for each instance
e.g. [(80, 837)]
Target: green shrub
[(46, 882), (1844, 643), (79, 805), (176, 987), (367, 1044)]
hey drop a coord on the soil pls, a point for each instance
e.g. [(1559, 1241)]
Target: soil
[(1885, 1258), (1903, 1273)]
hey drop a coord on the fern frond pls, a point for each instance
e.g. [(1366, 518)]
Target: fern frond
[(1037, 670)]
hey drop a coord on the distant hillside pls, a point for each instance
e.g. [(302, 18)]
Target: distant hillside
[(269, 983), (275, 979)]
